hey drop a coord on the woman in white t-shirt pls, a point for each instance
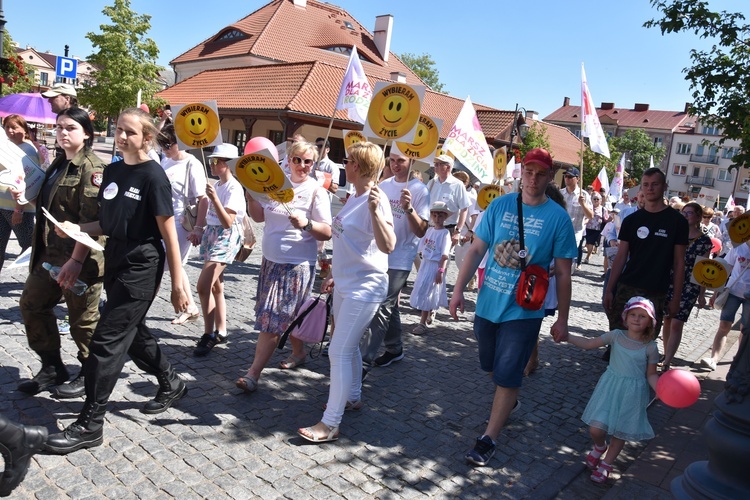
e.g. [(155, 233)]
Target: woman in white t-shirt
[(220, 240), (363, 236), (290, 250), (183, 169)]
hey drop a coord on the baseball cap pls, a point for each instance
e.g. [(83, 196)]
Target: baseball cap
[(60, 89), (225, 150), (574, 172), (444, 159), (643, 303), (539, 156)]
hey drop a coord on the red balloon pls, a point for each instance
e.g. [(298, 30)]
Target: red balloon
[(716, 242), (259, 144), (678, 388)]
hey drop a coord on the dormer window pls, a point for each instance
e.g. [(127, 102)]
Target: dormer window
[(347, 51), (349, 25), (232, 34)]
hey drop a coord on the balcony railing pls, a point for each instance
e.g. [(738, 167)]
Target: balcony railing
[(699, 181), (707, 159)]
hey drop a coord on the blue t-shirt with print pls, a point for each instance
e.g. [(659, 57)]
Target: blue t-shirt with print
[(548, 234)]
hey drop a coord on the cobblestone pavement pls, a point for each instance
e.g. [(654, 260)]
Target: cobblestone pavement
[(421, 414)]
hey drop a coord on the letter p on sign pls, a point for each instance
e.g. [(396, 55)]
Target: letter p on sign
[(66, 67)]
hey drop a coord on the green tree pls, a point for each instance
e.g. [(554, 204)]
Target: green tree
[(636, 144), (719, 78), (536, 137), (424, 66), (125, 62), (17, 76), (593, 163)]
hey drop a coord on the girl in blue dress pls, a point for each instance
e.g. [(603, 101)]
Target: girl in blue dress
[(618, 405)]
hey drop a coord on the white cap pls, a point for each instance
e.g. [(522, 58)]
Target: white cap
[(225, 150)]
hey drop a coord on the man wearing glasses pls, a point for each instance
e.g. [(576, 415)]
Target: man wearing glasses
[(410, 206), (326, 165), (580, 209)]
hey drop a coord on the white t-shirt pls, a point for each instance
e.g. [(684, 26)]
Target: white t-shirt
[(453, 193), (175, 171), (232, 196), (435, 244), (360, 269), (282, 243), (329, 166), (739, 281), (407, 242)]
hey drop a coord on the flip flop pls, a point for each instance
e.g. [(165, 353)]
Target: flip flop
[(186, 317), (292, 362), (308, 433)]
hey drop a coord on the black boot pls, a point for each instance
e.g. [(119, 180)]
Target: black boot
[(17, 444), (86, 432), (171, 388), (53, 373), (75, 389)]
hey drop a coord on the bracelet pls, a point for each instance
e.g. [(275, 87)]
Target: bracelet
[(441, 270), (76, 261), (202, 228)]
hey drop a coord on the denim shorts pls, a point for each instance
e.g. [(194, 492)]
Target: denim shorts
[(729, 310), (505, 348)]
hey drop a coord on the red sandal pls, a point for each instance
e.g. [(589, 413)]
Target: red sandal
[(601, 474), (595, 456)]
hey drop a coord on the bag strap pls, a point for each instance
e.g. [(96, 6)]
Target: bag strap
[(298, 321), (185, 190), (728, 286), (522, 250)]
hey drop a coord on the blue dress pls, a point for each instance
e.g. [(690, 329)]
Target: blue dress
[(618, 404)]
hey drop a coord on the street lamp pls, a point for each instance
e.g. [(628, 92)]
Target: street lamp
[(516, 129)]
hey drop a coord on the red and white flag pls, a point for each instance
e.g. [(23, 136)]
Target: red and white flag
[(730, 202), (590, 125), (600, 182), (356, 93)]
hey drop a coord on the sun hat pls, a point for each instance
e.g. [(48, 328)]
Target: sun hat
[(643, 303), (440, 206), (60, 89), (225, 150), (444, 159)]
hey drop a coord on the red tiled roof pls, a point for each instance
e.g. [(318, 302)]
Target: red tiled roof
[(651, 119), (309, 88), (270, 36), (494, 121)]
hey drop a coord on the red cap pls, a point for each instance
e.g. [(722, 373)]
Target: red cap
[(539, 156)]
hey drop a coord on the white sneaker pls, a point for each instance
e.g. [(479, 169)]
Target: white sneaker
[(708, 363)]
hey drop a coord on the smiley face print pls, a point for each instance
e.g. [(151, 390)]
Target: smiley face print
[(710, 273), (260, 174), (196, 125), (394, 111), (353, 137), (425, 140), (487, 195), (739, 229)]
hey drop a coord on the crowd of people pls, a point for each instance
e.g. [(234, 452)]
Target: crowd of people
[(389, 223)]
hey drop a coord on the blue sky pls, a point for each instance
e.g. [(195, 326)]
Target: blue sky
[(499, 52)]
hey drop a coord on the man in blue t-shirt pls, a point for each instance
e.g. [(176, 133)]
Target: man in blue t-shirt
[(506, 332)]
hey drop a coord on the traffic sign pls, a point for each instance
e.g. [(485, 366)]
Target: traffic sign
[(66, 67)]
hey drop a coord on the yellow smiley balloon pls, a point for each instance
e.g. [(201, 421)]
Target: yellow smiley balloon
[(487, 194), (196, 125), (353, 137), (394, 111), (425, 140), (739, 229), (283, 196), (710, 273), (259, 173)]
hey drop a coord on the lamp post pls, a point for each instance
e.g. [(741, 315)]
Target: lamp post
[(515, 129)]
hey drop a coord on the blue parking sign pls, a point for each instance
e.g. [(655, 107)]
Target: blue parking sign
[(66, 67)]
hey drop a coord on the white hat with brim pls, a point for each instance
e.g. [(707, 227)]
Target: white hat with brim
[(225, 150)]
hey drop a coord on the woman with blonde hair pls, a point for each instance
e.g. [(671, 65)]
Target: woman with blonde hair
[(363, 236)]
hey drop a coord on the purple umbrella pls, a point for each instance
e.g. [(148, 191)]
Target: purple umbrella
[(33, 107)]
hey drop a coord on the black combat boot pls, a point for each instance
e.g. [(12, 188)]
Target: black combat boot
[(86, 432), (17, 444), (74, 389), (171, 388), (53, 373)]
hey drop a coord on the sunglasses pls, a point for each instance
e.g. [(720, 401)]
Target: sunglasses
[(167, 145), (570, 176), (215, 161), (347, 161), (706, 216), (308, 161), (688, 213)]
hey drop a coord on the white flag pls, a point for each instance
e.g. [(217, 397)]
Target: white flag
[(651, 165), (355, 94), (466, 141), (729, 203), (590, 126), (615, 189)]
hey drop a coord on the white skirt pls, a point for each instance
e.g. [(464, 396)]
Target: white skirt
[(428, 296)]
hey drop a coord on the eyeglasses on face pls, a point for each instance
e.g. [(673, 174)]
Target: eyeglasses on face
[(441, 164), (688, 213), (706, 216), (307, 161), (567, 176), (167, 145), (319, 146), (215, 161), (347, 161)]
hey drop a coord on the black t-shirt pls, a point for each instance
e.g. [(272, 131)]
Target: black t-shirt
[(652, 237), (131, 197)]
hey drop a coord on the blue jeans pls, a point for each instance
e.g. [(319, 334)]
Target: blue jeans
[(386, 325)]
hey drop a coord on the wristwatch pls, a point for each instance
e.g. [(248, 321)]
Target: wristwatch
[(308, 226), (410, 210)]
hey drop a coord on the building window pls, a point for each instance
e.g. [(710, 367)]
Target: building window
[(231, 35), (679, 170), (725, 174), (728, 153), (696, 171), (707, 130), (276, 136), (240, 139), (659, 142), (683, 148), (43, 78)]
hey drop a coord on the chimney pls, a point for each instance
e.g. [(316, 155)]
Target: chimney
[(383, 32), (641, 107), (566, 101), (398, 77), (608, 105), (300, 3), (687, 108), (532, 115)]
